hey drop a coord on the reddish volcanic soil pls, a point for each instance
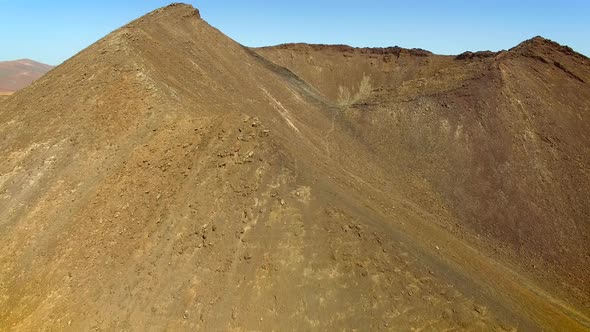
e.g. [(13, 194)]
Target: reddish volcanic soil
[(15, 75)]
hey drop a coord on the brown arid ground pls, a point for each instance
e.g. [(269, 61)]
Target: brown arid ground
[(15, 75), (3, 97), (168, 178), (495, 143)]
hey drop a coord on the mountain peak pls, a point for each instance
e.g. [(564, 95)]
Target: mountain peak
[(179, 8), (31, 62), (170, 12), (538, 46), (169, 177)]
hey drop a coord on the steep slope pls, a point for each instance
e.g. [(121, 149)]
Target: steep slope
[(15, 75), (498, 141), (169, 178)]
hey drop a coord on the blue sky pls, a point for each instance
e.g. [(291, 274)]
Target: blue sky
[(53, 31)]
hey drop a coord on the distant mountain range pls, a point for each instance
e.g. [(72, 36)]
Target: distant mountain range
[(15, 75)]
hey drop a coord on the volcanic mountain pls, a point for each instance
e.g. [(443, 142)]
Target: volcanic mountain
[(168, 177), (15, 75)]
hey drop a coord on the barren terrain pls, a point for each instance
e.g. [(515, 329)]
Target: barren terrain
[(15, 75), (479, 137), (169, 178)]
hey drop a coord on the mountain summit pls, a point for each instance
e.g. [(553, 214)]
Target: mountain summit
[(169, 178)]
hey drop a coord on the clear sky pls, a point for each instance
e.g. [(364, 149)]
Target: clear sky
[(53, 31)]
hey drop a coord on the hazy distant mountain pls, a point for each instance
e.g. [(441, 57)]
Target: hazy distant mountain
[(15, 75)]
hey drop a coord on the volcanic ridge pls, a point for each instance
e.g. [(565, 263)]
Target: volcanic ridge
[(169, 178)]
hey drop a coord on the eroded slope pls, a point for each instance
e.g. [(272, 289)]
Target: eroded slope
[(494, 144), (169, 178)]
